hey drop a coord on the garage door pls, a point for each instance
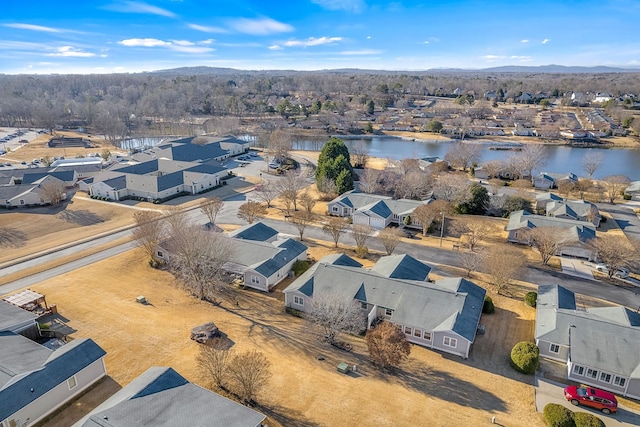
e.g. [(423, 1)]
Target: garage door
[(576, 253)]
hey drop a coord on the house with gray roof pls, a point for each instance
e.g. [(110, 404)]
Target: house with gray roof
[(257, 231), (15, 319), (68, 178), (443, 315), (547, 180), (543, 198), (35, 381), (155, 179), (579, 210), (599, 345), (375, 210), (162, 397), (574, 235)]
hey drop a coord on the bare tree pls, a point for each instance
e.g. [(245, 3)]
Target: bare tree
[(582, 186), (470, 261), (148, 232), (360, 154), (495, 185), (52, 191), (307, 201), (361, 233), (215, 359), (387, 345), (335, 312), (250, 372), (463, 155), (211, 208), (369, 181), (547, 240), (302, 219), (390, 238), (327, 187), (522, 186), (531, 158), (289, 188), (591, 162), (614, 186), (335, 228), (454, 188), (197, 257), (280, 144), (176, 219), (493, 168), (614, 252), (473, 231), (251, 211), (566, 187), (503, 264), (425, 214), (267, 192)]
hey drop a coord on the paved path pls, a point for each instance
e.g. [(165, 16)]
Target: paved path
[(577, 268), (548, 391)]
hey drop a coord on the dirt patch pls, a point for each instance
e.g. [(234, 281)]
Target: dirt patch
[(100, 302)]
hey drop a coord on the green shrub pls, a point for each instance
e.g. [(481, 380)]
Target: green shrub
[(558, 416), (294, 312), (300, 267), (524, 357), (488, 307), (530, 299), (584, 419), (626, 196)]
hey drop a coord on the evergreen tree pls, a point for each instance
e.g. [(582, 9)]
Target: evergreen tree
[(334, 164)]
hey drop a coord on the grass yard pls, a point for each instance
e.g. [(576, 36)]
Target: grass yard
[(430, 389)]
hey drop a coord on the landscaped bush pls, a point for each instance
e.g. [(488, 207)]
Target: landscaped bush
[(626, 196), (300, 267), (524, 357), (558, 416), (530, 299), (488, 307), (584, 419), (294, 312)]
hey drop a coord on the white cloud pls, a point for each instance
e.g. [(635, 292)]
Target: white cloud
[(348, 5), (206, 28), (368, 37), (260, 26), (524, 41), (140, 7), (312, 41), (70, 51), (490, 57), (275, 47), (33, 28), (521, 58), (184, 46), (362, 52), (545, 41)]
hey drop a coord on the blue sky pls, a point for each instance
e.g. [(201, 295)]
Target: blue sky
[(104, 36)]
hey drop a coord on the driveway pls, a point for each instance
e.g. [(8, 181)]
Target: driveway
[(548, 391), (577, 268)]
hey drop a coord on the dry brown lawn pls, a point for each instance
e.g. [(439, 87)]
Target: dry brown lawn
[(431, 389)]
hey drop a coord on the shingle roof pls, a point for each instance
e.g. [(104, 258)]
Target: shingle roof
[(117, 183), (10, 316), (402, 267), (162, 397), (170, 180), (206, 168), (195, 152), (143, 168), (290, 249), (66, 176), (575, 230), (257, 231), (31, 366), (10, 191)]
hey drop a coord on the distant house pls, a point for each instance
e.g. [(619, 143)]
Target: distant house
[(547, 180), (25, 195), (67, 178), (155, 179), (35, 381), (574, 134), (599, 346), (575, 235), (375, 210), (443, 315), (579, 210), (543, 198), (162, 397), (602, 97), (425, 162), (633, 189), (256, 255)]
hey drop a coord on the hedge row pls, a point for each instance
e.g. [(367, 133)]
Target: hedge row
[(558, 416)]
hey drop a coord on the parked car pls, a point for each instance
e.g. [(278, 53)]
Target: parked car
[(592, 397), (621, 272), (274, 165)]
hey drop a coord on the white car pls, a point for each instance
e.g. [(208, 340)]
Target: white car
[(621, 272), (274, 165)]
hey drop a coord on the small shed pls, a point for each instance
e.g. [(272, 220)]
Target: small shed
[(30, 301)]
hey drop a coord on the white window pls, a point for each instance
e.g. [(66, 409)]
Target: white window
[(554, 348), (605, 377), (427, 336), (417, 333), (592, 373), (578, 370), (619, 381), (255, 279), (388, 312), (450, 342), (407, 330), (298, 300), (72, 383)]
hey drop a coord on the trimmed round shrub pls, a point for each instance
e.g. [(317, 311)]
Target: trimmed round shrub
[(584, 419), (558, 416), (524, 357), (530, 299), (488, 307)]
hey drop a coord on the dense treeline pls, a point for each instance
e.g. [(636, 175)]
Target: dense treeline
[(124, 104)]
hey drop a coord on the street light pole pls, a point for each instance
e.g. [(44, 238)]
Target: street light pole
[(441, 228)]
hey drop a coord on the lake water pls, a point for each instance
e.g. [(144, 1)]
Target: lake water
[(144, 142), (561, 159)]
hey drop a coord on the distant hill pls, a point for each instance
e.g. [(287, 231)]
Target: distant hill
[(542, 69)]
